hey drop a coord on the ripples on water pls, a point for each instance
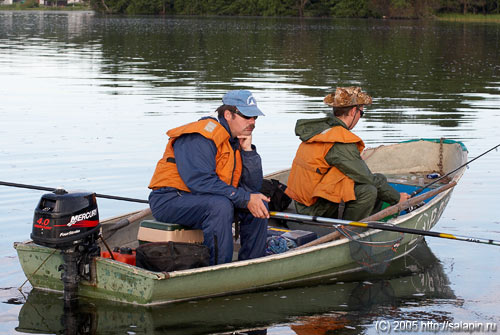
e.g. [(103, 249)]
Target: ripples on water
[(86, 101)]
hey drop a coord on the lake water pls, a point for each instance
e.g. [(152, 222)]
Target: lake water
[(85, 102)]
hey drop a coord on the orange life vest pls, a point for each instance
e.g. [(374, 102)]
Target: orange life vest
[(312, 177), (228, 165)]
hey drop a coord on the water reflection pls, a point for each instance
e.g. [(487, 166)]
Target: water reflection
[(414, 279), (418, 72)]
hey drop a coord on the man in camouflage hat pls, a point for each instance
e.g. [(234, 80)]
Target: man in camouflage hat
[(328, 176)]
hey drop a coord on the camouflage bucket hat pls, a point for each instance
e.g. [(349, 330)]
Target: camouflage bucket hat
[(347, 96)]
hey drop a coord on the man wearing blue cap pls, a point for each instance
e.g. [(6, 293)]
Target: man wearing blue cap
[(209, 169)]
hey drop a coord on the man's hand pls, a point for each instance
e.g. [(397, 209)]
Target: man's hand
[(257, 207), (245, 142), (403, 197)]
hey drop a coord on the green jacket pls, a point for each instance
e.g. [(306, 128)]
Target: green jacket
[(346, 157)]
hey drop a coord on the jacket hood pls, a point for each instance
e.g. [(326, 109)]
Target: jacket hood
[(307, 128)]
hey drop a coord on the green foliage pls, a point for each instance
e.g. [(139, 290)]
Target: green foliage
[(336, 8), (110, 6), (400, 4), (350, 8), (29, 4), (146, 7), (318, 8), (190, 7), (469, 6), (243, 7), (278, 8)]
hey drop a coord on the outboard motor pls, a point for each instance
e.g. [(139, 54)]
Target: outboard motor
[(69, 222)]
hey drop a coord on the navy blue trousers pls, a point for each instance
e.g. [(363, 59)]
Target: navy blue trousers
[(214, 215)]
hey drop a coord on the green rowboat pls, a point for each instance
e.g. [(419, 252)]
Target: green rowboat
[(405, 164)]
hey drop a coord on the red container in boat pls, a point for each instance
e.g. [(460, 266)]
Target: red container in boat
[(124, 255)]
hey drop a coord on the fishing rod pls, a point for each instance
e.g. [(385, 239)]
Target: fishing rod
[(417, 191), (51, 189), (328, 222)]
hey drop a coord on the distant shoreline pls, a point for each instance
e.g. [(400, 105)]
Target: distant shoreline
[(452, 17), (21, 7), (469, 17)]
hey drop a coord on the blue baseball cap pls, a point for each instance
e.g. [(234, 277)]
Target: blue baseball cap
[(244, 101)]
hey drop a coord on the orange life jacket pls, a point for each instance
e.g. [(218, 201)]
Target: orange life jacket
[(228, 165), (312, 177)]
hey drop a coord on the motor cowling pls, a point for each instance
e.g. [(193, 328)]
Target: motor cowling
[(63, 219)]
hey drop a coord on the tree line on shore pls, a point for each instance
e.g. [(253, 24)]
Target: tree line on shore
[(301, 8)]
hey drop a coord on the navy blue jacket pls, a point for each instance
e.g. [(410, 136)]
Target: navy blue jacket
[(195, 160)]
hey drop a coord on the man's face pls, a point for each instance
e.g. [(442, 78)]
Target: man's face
[(356, 113), (239, 124)]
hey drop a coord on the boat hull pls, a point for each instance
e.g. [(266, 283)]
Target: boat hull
[(113, 280)]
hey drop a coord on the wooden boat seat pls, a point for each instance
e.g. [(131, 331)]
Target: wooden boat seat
[(156, 231)]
